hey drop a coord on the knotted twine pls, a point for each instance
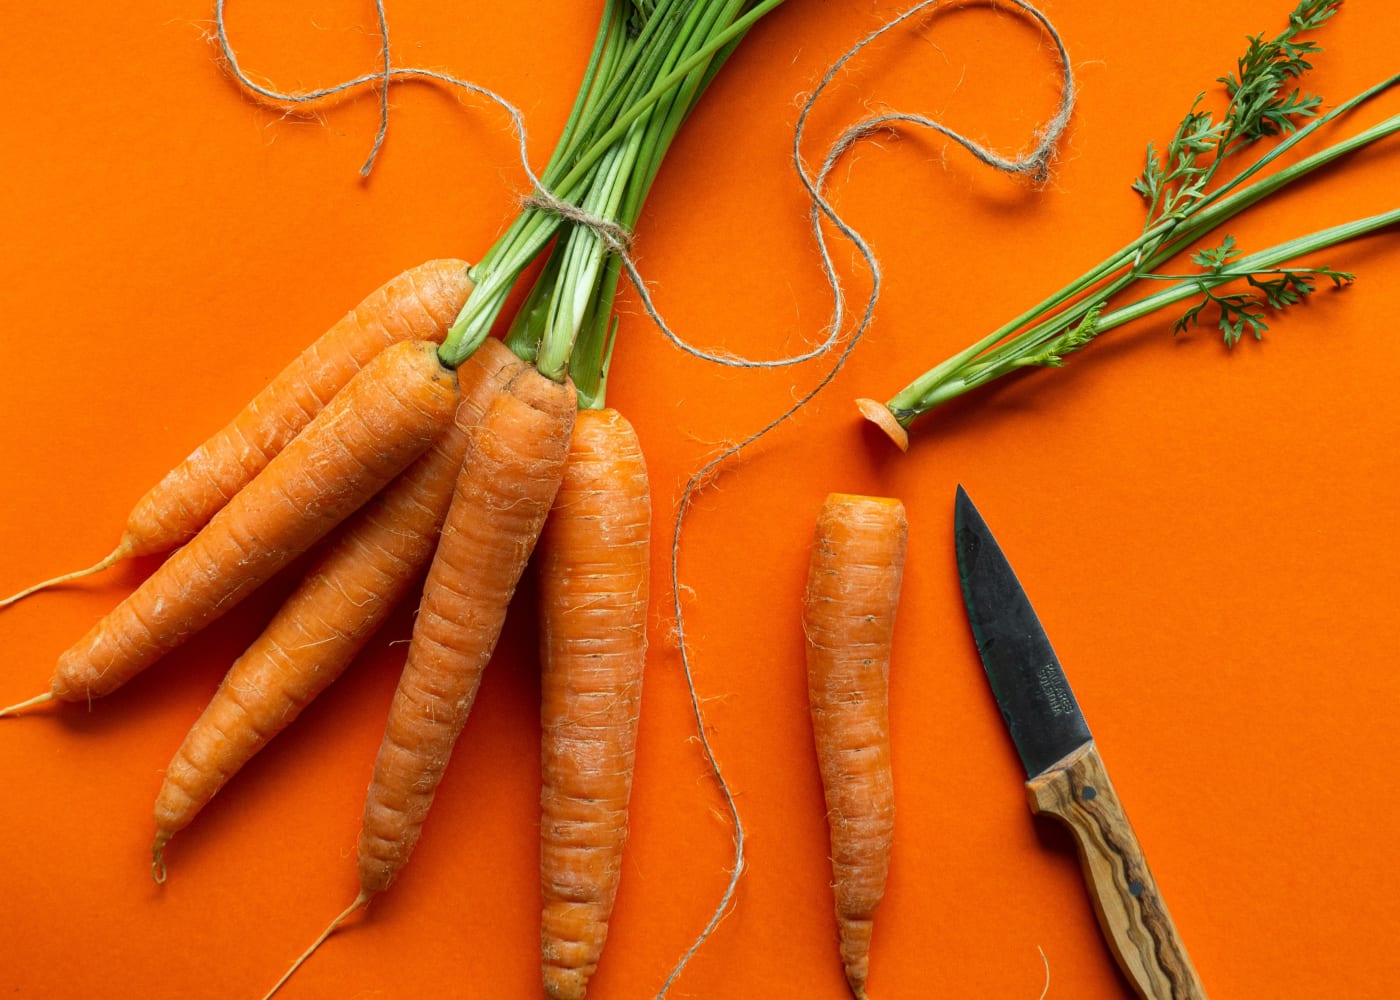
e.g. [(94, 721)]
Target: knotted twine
[(1033, 164)]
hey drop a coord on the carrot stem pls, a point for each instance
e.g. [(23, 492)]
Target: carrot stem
[(604, 166), (38, 699), (106, 562), (1012, 346), (360, 902)]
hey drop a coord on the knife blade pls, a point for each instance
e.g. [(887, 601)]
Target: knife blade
[(1066, 778)]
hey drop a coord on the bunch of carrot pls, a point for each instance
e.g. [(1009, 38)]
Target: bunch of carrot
[(412, 441)]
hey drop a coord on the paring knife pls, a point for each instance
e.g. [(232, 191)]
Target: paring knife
[(1067, 779)]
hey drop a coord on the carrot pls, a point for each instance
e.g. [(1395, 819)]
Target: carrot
[(848, 611), (418, 304), (384, 418), (593, 593), (514, 464), (331, 615)]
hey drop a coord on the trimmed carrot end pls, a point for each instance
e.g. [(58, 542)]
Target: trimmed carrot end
[(879, 414), (38, 699), (106, 562)]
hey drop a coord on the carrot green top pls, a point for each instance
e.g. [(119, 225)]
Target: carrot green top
[(1188, 196), (651, 61)]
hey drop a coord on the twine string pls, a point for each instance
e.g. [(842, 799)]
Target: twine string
[(307, 101), (615, 236)]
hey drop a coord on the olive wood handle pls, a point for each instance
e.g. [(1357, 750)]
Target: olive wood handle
[(1076, 790)]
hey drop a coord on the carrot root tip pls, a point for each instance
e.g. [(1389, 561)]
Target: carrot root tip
[(360, 902), (106, 562), (158, 858), (879, 414), (18, 707)]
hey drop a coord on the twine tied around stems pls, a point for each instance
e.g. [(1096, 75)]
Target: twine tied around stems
[(615, 236), (1033, 164)]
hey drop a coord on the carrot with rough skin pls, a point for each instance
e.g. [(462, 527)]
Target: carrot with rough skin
[(848, 611), (333, 613), (593, 578), (387, 416), (515, 461), (418, 304), (514, 464)]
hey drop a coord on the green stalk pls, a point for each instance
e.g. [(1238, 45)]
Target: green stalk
[(583, 258), (590, 366), (566, 324), (980, 371), (1263, 260), (658, 62), (606, 62), (1033, 340), (528, 328), (1070, 305), (627, 67), (578, 279), (724, 39)]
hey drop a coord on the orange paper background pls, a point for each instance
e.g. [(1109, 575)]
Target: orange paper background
[(1210, 537)]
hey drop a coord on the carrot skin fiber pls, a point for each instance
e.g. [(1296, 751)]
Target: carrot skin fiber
[(324, 624), (514, 464), (383, 419), (594, 570), (848, 613)]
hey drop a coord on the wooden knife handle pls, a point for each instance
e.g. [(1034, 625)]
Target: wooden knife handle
[(1131, 912)]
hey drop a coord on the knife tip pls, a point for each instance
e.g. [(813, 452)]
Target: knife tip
[(962, 504)]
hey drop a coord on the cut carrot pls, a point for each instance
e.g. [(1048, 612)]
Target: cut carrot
[(880, 415), (418, 304), (331, 615), (594, 577), (385, 417), (848, 612)]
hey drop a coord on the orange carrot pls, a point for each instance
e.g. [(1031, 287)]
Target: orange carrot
[(328, 619), (515, 460), (853, 582), (418, 304), (385, 417), (593, 592)]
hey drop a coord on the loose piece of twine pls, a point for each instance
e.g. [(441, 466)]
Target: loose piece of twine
[(1033, 164), (615, 237)]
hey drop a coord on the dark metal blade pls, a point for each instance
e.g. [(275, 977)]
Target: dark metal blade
[(1030, 687)]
